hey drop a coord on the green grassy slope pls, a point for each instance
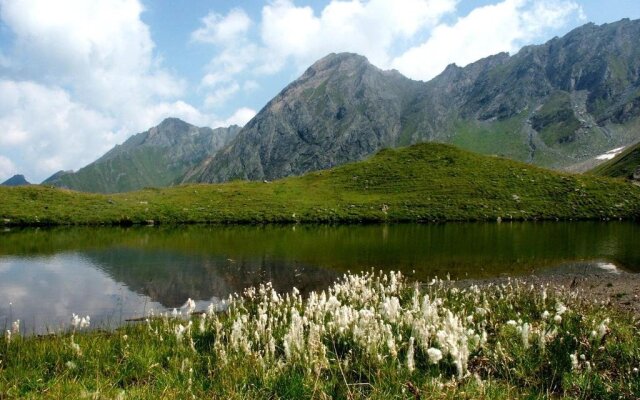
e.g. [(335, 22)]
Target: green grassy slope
[(621, 166), (425, 182), (134, 169)]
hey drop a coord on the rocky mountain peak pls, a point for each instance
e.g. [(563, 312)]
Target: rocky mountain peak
[(339, 61), (16, 180)]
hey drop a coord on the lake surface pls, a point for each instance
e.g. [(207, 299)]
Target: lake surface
[(113, 274)]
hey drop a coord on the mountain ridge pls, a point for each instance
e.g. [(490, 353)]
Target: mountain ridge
[(159, 156), (554, 105)]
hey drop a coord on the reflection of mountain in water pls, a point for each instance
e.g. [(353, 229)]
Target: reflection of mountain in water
[(171, 277)]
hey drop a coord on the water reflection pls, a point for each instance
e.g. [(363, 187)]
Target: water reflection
[(116, 273)]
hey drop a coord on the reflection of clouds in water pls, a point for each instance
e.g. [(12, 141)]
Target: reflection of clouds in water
[(46, 290)]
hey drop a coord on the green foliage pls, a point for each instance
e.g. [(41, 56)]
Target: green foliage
[(425, 182), (504, 138)]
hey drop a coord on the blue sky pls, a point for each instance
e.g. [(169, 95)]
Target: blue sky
[(78, 76)]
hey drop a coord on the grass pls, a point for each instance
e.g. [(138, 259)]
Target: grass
[(371, 335), (622, 166), (425, 182), (505, 138)]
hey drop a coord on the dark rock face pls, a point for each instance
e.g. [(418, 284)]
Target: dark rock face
[(16, 180), (554, 105), (157, 157)]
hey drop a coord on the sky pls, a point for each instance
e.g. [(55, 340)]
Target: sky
[(80, 76)]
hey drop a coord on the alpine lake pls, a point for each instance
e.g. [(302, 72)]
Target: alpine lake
[(116, 274)]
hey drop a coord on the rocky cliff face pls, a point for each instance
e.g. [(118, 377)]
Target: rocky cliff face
[(342, 108), (157, 157), (554, 105)]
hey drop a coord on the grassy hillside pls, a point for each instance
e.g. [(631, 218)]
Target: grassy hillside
[(425, 182), (622, 166), (117, 174)]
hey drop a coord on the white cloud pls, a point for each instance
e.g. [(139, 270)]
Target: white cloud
[(220, 95), (229, 62), (54, 132), (219, 29), (485, 31), (7, 168), (100, 49), (178, 109), (80, 77), (289, 34), (408, 35), (370, 28), (240, 118)]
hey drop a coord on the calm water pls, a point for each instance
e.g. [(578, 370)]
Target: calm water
[(117, 273)]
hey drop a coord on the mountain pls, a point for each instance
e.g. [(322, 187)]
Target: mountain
[(554, 105), (157, 157), (624, 165), (16, 180)]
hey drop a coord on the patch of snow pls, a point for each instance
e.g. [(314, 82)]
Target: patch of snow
[(610, 154)]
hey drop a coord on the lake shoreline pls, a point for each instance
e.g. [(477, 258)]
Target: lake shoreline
[(618, 289)]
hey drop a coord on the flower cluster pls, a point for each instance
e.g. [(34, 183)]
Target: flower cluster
[(377, 317), (80, 323)]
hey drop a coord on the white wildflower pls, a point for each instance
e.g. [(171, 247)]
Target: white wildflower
[(15, 327), (179, 331), (75, 347), (190, 306), (574, 361), (434, 354), (481, 311), (557, 319), (526, 328), (203, 319), (545, 315), (410, 361), (603, 329), (80, 323)]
